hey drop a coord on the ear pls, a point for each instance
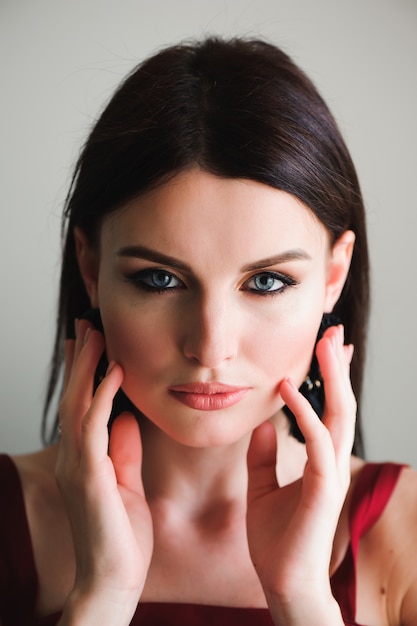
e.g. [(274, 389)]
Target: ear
[(338, 268), (87, 258)]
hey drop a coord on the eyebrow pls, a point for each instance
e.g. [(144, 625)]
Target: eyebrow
[(283, 257), (142, 252)]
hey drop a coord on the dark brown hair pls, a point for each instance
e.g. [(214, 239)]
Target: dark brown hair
[(235, 108)]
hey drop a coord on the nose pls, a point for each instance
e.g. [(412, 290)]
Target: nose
[(210, 332)]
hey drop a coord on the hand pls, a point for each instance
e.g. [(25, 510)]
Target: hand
[(291, 528), (102, 487)]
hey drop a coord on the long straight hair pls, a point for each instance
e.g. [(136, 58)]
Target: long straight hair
[(235, 108)]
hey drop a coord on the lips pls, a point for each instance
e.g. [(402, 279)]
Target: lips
[(208, 396)]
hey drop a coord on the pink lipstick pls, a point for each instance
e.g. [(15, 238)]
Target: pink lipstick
[(208, 396)]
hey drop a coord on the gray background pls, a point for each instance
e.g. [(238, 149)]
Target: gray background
[(60, 60)]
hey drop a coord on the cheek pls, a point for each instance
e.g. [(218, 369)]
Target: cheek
[(283, 346), (135, 340)]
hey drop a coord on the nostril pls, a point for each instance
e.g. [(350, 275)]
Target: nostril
[(208, 350), (210, 332)]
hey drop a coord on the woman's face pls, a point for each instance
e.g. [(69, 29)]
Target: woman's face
[(211, 291)]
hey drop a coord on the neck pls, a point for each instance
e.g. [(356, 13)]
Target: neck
[(201, 478), (192, 476)]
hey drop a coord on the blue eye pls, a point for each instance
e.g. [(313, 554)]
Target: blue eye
[(268, 283), (155, 280)]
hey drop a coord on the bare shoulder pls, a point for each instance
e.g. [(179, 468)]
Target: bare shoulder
[(45, 510), (402, 518), (406, 488), (40, 491), (37, 468), (393, 540), (48, 527), (39, 461)]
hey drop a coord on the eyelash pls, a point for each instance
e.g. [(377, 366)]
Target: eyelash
[(286, 281), (138, 279)]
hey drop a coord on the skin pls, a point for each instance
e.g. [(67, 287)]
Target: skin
[(214, 324), (228, 487)]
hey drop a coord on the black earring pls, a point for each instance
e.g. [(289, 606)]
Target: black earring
[(93, 316), (121, 402), (312, 387)]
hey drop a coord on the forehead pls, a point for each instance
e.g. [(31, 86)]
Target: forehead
[(197, 211)]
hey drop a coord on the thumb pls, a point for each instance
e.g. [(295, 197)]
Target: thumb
[(125, 451), (261, 460)]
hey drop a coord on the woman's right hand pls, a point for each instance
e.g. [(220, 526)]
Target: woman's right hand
[(101, 484)]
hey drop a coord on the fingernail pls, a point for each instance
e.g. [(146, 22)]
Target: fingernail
[(291, 384), (110, 367), (87, 334)]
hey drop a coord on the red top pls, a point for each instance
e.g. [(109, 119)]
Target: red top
[(19, 581)]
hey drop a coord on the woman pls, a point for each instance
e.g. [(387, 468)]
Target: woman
[(215, 231)]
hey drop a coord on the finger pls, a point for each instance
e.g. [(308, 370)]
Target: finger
[(340, 404), (79, 392), (125, 450), (94, 438), (349, 350), (344, 353), (82, 330), (261, 461), (319, 445), (68, 360), (81, 327)]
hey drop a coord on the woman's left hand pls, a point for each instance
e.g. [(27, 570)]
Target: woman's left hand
[(291, 528)]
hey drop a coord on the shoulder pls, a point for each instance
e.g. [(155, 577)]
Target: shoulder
[(36, 472), (36, 466), (394, 488), (39, 461), (402, 523), (28, 491), (401, 509), (27, 487), (406, 488), (392, 543)]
